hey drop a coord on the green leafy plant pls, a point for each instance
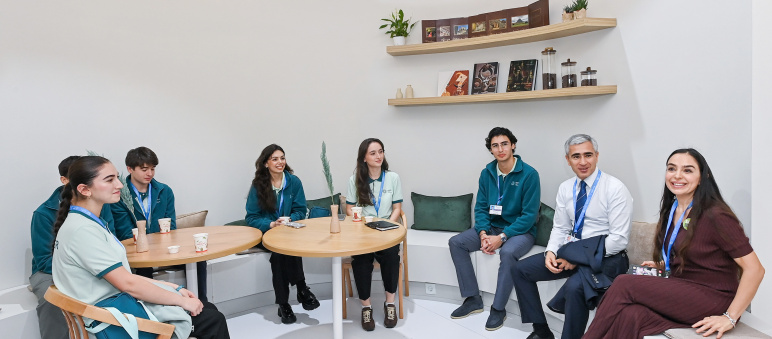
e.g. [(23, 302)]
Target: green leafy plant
[(125, 193), (397, 25), (580, 4), (568, 8), (326, 171)]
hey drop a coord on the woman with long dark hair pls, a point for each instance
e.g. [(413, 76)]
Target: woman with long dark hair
[(378, 191), (90, 264), (703, 249), (276, 192)]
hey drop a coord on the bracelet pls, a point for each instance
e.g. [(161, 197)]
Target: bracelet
[(734, 322), (179, 288)]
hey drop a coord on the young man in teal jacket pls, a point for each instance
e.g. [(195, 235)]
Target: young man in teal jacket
[(505, 214), (50, 319)]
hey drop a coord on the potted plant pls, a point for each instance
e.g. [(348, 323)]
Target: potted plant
[(568, 12), (398, 27), (334, 222), (580, 9)]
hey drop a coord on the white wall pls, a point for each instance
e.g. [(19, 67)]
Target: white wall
[(207, 85)]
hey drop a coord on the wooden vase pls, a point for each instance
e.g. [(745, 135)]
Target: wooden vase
[(568, 16), (334, 222), (580, 14), (142, 245)]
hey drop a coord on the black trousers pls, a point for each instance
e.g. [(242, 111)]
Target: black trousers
[(286, 270), (210, 324), (530, 270), (362, 265), (200, 267)]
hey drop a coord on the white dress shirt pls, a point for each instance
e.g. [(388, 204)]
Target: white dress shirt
[(610, 211)]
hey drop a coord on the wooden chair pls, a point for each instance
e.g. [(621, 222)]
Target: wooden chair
[(75, 310), (402, 283)]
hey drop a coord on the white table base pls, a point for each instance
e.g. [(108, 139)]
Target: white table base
[(337, 298), (191, 275)]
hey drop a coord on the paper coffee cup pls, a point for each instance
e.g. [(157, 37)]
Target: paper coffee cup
[(165, 224), (134, 231), (174, 249), (202, 242), (368, 219), (357, 213), (284, 220)]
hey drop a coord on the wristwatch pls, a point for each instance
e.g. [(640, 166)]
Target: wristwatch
[(503, 237)]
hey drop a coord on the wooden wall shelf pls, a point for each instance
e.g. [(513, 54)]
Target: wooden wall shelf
[(529, 95), (548, 32)]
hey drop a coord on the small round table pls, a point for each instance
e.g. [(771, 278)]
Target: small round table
[(223, 240), (315, 240)]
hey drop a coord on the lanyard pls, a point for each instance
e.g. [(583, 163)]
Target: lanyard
[(97, 219), (144, 207), (666, 254), (281, 194), (499, 192), (377, 203), (579, 221)]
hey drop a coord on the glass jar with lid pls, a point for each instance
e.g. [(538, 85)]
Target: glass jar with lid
[(589, 77), (568, 71), (549, 68)]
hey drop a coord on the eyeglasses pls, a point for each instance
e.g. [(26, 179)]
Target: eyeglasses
[(504, 144)]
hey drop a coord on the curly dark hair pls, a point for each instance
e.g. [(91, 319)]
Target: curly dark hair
[(262, 181)]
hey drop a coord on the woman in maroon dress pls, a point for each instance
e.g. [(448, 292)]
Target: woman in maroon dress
[(702, 245)]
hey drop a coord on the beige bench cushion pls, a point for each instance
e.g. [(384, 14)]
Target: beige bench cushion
[(741, 331), (195, 219)]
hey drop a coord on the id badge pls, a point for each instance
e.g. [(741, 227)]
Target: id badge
[(495, 210), (569, 238)]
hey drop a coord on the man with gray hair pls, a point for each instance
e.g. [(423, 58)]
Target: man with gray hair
[(593, 205)]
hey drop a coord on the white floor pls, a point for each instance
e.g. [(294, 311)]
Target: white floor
[(423, 319)]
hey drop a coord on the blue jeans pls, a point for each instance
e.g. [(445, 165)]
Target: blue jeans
[(462, 244)]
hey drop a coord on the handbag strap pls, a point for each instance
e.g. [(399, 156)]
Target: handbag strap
[(127, 321)]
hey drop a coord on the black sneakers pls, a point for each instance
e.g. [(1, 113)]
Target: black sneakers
[(307, 299), (286, 314), (470, 306), (368, 324), (390, 315), (495, 319)]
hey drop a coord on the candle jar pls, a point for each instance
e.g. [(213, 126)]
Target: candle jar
[(549, 69), (589, 77), (568, 71)]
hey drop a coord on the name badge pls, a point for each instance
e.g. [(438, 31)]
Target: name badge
[(495, 210), (569, 238)]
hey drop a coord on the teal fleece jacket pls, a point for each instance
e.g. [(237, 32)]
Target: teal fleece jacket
[(42, 230), (161, 207), (520, 204), (294, 205)]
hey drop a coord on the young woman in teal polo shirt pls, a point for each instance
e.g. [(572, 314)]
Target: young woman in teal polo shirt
[(89, 263), (379, 192), (275, 193)]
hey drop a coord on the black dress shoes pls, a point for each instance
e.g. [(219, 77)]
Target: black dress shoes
[(536, 336), (307, 299), (286, 314)]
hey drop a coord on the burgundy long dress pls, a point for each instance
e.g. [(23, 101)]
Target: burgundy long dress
[(636, 306)]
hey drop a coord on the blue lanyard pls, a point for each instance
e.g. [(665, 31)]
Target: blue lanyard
[(145, 208), (498, 189), (666, 254), (377, 203), (281, 194), (579, 221), (97, 219)]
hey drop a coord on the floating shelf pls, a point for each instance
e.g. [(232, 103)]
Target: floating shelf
[(527, 95), (548, 32)]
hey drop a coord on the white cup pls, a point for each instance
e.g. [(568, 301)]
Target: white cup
[(368, 219), (134, 231), (174, 249), (202, 242), (357, 213), (165, 224), (284, 220)]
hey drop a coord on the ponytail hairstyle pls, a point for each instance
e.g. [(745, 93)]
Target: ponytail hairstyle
[(262, 181), (82, 171), (706, 196), (362, 173)]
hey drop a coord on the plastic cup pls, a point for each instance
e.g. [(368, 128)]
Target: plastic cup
[(165, 224), (284, 220), (368, 219), (134, 231), (202, 242), (357, 213), (173, 249)]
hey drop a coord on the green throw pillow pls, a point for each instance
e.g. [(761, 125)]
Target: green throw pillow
[(442, 213), (323, 202), (241, 222), (544, 225)]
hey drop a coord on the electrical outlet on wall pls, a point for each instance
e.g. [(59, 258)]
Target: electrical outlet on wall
[(431, 289)]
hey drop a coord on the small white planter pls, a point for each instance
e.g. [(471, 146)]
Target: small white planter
[(399, 40)]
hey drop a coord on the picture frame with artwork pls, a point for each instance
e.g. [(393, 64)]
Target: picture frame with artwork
[(429, 29), (485, 78), (459, 28), (522, 75), (453, 83)]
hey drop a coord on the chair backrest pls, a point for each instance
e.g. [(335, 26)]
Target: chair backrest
[(195, 219), (74, 310)]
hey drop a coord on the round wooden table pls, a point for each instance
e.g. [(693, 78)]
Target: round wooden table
[(223, 240), (315, 240)]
